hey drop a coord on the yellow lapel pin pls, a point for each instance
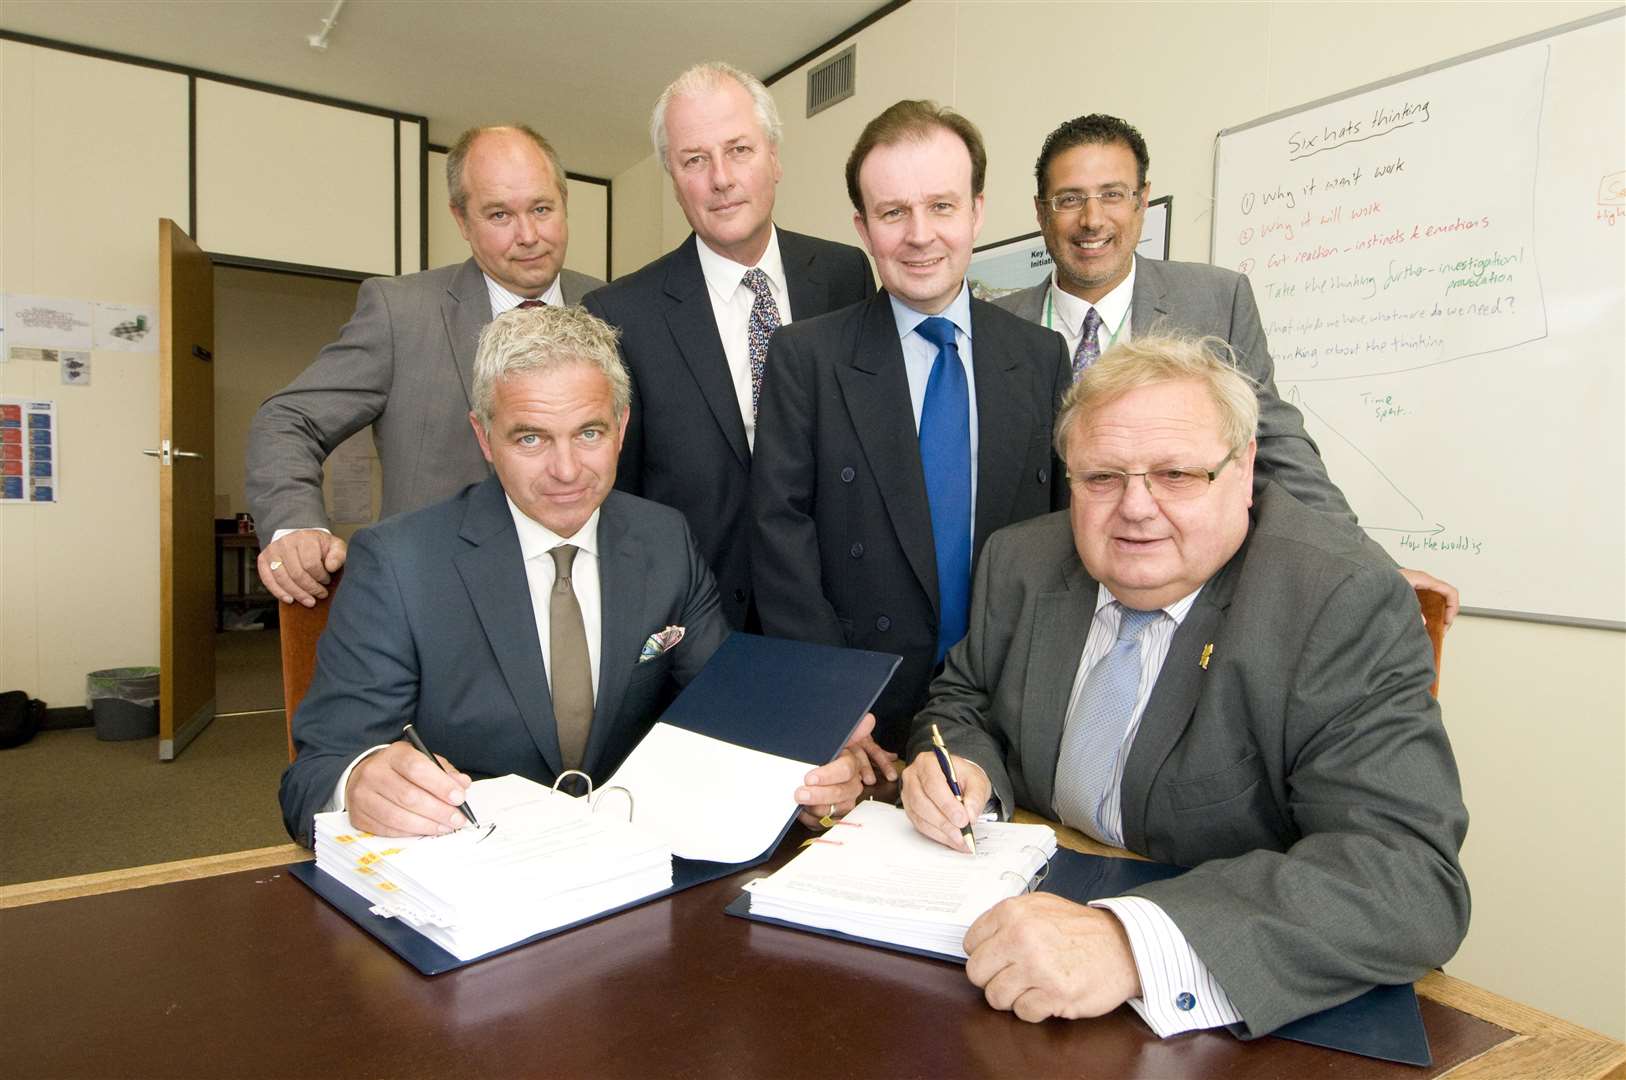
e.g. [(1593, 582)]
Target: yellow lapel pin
[(1208, 650)]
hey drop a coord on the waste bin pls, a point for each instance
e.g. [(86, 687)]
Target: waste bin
[(123, 702)]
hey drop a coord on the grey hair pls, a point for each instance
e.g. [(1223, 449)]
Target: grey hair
[(1151, 359), (459, 153), (545, 339), (704, 78)]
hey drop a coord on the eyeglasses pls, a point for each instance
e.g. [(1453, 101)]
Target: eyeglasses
[(1173, 484), (1072, 202)]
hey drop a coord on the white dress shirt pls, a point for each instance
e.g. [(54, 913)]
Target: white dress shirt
[(535, 541), (1064, 313), (919, 355), (1178, 993), (731, 301)]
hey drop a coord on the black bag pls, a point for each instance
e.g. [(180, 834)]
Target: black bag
[(20, 718)]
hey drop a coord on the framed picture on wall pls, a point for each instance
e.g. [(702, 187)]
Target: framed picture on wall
[(1008, 265)]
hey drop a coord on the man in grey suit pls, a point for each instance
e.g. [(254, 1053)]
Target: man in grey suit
[(404, 362), (695, 323), (508, 623), (1243, 693), (898, 433), (1091, 204)]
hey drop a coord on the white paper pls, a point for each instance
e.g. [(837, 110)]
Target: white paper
[(709, 799), (49, 322), (126, 328)]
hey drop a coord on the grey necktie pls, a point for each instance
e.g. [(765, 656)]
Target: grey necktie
[(1095, 730), (764, 321), (1089, 345), (567, 661)]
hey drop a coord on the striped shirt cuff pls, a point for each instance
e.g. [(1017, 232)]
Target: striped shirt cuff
[(1178, 993)]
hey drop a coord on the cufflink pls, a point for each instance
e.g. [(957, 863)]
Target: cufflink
[(1185, 1002)]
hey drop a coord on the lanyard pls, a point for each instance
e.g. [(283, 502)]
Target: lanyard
[(1050, 317)]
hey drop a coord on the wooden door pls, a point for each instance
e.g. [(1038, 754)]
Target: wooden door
[(186, 432)]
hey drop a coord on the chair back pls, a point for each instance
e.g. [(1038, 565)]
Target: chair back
[(300, 626), (1433, 605)]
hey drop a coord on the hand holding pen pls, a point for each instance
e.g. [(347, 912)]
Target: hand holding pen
[(417, 742)]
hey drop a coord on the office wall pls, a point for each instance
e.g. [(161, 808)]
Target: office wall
[(1537, 713), (93, 155)]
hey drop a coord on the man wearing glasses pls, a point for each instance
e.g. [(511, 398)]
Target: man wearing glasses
[(1091, 204), (1212, 674)]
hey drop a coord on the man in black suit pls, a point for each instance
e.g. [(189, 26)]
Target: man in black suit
[(886, 456), (695, 323), (508, 622)]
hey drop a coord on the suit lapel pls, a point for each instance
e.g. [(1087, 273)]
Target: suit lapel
[(621, 562), (1174, 698), (1002, 427), (466, 309), (493, 571), (1149, 301), (694, 327), (875, 386), (1061, 624), (804, 281)]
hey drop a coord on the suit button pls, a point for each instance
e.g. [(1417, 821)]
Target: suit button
[(739, 596), (856, 551), (883, 623), (1044, 476), (847, 474)]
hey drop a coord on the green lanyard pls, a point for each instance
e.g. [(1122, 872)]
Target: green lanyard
[(1050, 317)]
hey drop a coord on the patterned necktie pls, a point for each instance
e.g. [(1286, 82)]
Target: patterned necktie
[(764, 321), (1089, 346), (568, 662), (523, 304), (1095, 730), (945, 457)]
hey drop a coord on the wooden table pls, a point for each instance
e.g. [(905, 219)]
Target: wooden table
[(227, 966)]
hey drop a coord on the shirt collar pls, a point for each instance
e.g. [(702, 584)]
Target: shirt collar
[(1176, 611), (958, 312), (723, 275), (537, 539), (503, 300), (1113, 307)]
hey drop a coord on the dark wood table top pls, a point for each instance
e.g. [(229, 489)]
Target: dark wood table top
[(249, 973)]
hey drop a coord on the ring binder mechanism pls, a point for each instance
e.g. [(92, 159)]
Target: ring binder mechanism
[(886, 883)]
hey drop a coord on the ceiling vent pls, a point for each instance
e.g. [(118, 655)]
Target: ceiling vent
[(832, 80)]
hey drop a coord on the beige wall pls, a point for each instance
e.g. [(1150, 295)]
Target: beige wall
[(268, 328), (78, 578), (1537, 713)]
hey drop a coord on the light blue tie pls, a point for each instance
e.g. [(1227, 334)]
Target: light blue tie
[(1094, 736), (945, 458)]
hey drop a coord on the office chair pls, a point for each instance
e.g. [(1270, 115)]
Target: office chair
[(1433, 605), (300, 626)]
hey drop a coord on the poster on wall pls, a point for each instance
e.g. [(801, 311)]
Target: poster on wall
[(48, 322), (126, 328), (28, 451), (1008, 265)]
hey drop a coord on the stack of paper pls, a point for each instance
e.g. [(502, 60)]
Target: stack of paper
[(538, 860), (873, 876)]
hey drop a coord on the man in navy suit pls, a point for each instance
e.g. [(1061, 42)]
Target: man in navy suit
[(695, 323), (885, 457), (508, 622)]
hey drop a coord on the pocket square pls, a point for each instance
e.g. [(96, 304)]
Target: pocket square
[(659, 642)]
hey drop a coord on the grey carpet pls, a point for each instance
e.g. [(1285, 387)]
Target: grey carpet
[(72, 804)]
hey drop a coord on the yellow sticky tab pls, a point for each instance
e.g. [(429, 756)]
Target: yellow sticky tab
[(385, 886), (389, 851), (345, 839)]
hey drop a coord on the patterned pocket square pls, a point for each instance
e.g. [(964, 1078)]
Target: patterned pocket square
[(659, 642)]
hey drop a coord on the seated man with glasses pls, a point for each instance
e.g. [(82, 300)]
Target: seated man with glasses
[(1211, 677), (1091, 205)]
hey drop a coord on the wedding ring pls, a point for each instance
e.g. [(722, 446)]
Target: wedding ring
[(276, 564)]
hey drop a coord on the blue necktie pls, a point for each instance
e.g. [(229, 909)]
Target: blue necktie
[(1094, 735), (945, 457)]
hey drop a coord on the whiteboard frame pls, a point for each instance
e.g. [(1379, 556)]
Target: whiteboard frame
[(1489, 50)]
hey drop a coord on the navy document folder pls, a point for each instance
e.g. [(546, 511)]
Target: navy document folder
[(785, 698)]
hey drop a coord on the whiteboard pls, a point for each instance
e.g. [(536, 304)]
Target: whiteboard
[(1440, 263)]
